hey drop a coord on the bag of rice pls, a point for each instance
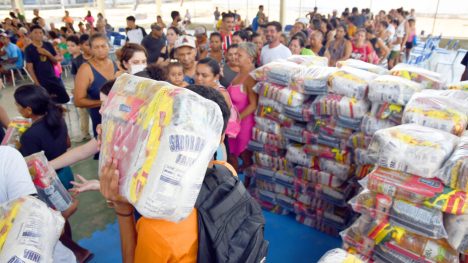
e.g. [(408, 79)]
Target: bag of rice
[(350, 82), (392, 89)]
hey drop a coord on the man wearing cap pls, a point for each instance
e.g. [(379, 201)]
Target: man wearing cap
[(185, 52), (202, 40), (153, 43), (14, 55)]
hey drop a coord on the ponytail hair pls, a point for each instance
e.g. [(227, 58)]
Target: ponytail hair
[(37, 98)]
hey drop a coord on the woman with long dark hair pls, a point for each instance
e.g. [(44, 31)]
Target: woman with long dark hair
[(47, 133)]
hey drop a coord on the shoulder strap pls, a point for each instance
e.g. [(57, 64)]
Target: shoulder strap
[(225, 164)]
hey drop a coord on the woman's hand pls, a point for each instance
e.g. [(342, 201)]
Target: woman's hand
[(84, 185)]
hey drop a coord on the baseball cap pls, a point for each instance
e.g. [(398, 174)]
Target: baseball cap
[(200, 31), (185, 41), (3, 33), (156, 26)]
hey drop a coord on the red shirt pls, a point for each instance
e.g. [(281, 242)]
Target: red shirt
[(363, 53)]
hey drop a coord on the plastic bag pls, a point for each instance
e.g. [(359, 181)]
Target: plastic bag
[(361, 157), (329, 127), (338, 255), (321, 151), (267, 125), (430, 192), (16, 128), (350, 123), (49, 187), (274, 105), (268, 138), (411, 250), (454, 173), (295, 154), (268, 161), (30, 231), (429, 108), (281, 94), (350, 82), (303, 113), (299, 134), (387, 111), (392, 89), (335, 195), (270, 113), (462, 85), (333, 104), (428, 79), (315, 80), (282, 67), (266, 148), (359, 64), (371, 124), (416, 218), (457, 230), (163, 138), (359, 140), (317, 177), (412, 149), (363, 170), (308, 60)]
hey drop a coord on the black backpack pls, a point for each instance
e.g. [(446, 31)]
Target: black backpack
[(230, 221)]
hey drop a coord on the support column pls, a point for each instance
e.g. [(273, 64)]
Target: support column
[(18, 4), (101, 7), (283, 12), (158, 7)]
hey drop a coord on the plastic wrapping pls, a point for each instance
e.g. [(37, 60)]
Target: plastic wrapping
[(321, 151), (371, 124), (359, 140), (269, 149), (303, 113), (438, 110), (329, 127), (338, 255), (163, 138), (318, 177), (267, 125), (16, 128), (457, 230), (418, 219), (359, 64), (268, 161), (387, 111), (350, 82), (272, 104), (361, 157), (454, 173), (279, 69), (333, 104), (428, 79), (270, 113), (49, 187), (281, 94), (295, 154), (268, 138), (337, 196), (392, 89), (430, 192), (412, 148), (308, 60), (315, 80), (350, 123), (410, 250), (30, 231), (299, 134), (462, 85), (363, 170)]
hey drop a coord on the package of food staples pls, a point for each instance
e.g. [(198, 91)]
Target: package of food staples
[(359, 64), (307, 60), (439, 110), (16, 128), (269, 149), (267, 125), (318, 177), (49, 187), (387, 111), (361, 157), (29, 231), (339, 255), (303, 113), (416, 218), (270, 113), (454, 172), (412, 148), (371, 124), (277, 71), (457, 230), (268, 161), (429, 192), (392, 89), (428, 79), (359, 140), (314, 80), (329, 127), (277, 140), (279, 93), (322, 151), (347, 122), (351, 82), (163, 138), (334, 104), (462, 85)]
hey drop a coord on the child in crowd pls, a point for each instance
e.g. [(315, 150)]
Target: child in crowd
[(175, 74)]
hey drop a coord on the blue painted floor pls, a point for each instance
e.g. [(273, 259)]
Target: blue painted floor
[(289, 240)]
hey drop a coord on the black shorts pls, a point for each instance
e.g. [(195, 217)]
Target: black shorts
[(409, 45)]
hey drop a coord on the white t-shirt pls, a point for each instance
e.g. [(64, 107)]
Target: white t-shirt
[(270, 54), (399, 33), (15, 180)]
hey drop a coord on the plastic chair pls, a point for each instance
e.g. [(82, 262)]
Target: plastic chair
[(460, 52), (12, 73)]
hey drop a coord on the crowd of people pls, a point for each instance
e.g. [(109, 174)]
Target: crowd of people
[(221, 61)]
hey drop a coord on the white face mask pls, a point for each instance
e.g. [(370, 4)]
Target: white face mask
[(137, 68)]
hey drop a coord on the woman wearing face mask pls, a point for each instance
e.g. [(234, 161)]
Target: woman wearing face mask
[(167, 52), (92, 75), (132, 59)]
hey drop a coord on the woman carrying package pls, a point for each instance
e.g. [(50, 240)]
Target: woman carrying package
[(245, 100)]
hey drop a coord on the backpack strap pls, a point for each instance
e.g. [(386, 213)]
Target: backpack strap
[(227, 165)]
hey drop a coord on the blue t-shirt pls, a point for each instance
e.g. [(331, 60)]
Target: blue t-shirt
[(189, 80), (13, 51)]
